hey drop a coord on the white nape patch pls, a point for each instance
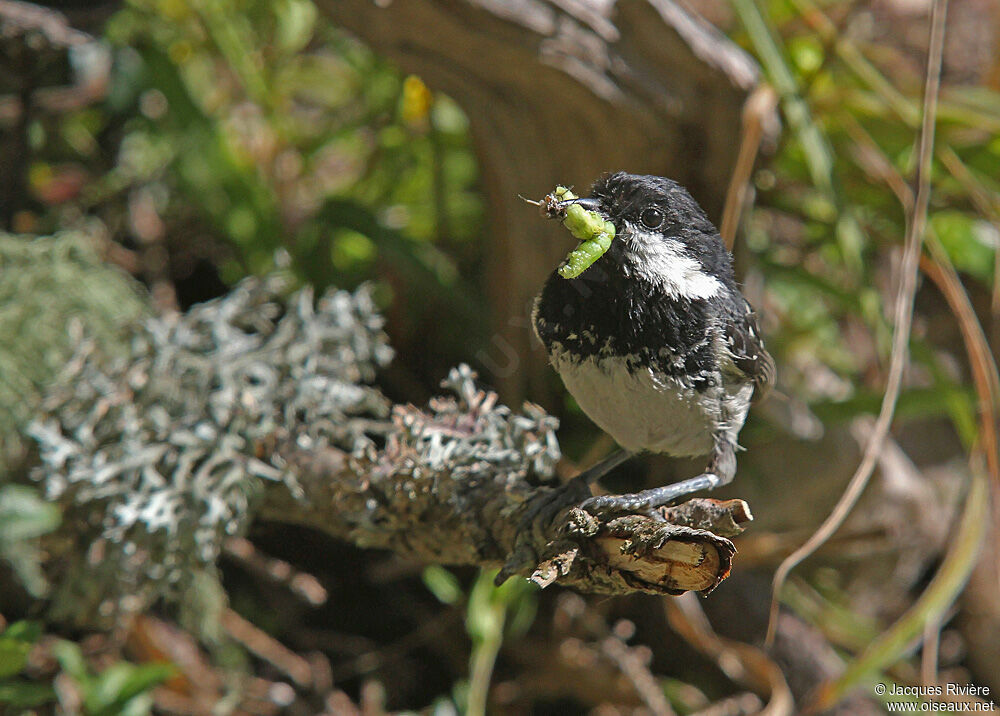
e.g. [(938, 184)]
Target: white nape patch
[(665, 262)]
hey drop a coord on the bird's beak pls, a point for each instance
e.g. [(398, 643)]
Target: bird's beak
[(588, 204)]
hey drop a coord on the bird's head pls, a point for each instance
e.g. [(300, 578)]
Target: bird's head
[(662, 235)]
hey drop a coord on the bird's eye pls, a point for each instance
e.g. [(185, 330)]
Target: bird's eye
[(651, 218)]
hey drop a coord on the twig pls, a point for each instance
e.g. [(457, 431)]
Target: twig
[(988, 204), (917, 219), (637, 672), (758, 112), (929, 652), (267, 648), (303, 585), (944, 587), (742, 663), (278, 388), (985, 375)]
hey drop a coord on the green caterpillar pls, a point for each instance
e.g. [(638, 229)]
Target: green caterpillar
[(593, 231)]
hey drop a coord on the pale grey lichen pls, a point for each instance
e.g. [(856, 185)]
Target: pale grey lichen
[(166, 446), (473, 435)]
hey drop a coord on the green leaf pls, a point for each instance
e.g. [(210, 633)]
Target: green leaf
[(489, 606), (120, 683), (522, 611), (484, 619), (13, 656), (24, 515), (21, 693), (806, 53), (119, 689), (71, 661), (23, 631), (851, 238), (970, 242), (296, 22), (15, 645), (442, 584)]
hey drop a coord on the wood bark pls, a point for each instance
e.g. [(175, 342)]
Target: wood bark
[(503, 521)]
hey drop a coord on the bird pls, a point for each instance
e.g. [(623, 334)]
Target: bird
[(655, 340)]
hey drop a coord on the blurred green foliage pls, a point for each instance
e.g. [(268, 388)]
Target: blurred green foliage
[(829, 207), (16, 643), (24, 517), (829, 222), (120, 689), (263, 117), (256, 127)]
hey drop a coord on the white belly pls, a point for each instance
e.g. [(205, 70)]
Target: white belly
[(642, 409)]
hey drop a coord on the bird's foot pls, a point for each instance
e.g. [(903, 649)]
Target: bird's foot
[(574, 491), (647, 501)]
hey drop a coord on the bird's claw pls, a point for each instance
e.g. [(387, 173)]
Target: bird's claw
[(607, 505)]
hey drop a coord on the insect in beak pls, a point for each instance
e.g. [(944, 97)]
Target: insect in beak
[(555, 207), (593, 231)]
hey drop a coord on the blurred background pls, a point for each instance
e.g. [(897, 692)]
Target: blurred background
[(155, 152)]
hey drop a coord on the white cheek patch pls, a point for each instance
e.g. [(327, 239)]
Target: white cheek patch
[(664, 262)]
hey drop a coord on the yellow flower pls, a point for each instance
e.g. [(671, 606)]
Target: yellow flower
[(417, 101)]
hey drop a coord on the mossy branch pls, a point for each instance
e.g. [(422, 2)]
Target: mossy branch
[(475, 510)]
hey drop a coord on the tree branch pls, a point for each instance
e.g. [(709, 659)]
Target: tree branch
[(498, 518)]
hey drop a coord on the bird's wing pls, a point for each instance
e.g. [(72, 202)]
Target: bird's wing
[(747, 351)]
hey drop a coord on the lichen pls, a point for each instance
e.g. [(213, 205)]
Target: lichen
[(51, 289), (157, 455), (470, 435), (160, 452)]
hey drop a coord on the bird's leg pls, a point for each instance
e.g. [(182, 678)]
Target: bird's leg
[(595, 472), (720, 471)]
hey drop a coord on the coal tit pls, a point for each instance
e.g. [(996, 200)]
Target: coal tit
[(655, 340)]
